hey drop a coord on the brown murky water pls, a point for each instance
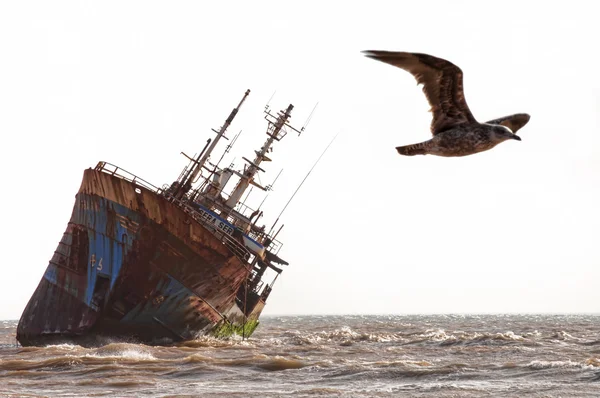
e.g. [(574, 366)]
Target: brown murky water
[(310, 356)]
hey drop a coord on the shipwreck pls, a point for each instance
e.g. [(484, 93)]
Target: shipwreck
[(158, 265)]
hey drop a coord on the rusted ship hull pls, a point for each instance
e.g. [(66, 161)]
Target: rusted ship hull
[(133, 265)]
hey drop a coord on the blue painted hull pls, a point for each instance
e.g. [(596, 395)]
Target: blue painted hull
[(131, 265)]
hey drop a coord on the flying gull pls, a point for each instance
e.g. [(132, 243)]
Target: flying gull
[(455, 130)]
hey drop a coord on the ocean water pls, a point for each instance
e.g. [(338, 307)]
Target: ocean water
[(328, 356)]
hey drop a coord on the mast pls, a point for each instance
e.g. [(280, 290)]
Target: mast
[(275, 132), (197, 167)]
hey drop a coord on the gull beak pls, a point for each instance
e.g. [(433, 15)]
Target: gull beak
[(516, 137)]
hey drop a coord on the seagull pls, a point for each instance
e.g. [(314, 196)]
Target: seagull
[(455, 130)]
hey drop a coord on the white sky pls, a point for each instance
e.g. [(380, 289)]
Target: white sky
[(514, 229)]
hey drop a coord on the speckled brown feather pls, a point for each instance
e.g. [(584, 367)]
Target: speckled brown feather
[(442, 84)]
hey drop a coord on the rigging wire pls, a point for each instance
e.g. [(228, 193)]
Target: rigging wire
[(309, 118), (301, 183)]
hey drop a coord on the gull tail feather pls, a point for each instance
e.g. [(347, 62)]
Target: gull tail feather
[(411, 150)]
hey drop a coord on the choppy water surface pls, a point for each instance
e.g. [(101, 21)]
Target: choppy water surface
[(354, 356)]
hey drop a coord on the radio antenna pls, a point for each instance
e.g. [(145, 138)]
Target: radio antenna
[(269, 101), (227, 149), (269, 189), (308, 119)]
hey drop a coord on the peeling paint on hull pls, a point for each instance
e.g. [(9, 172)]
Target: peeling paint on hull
[(132, 265)]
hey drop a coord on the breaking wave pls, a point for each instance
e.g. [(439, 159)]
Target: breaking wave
[(441, 356), (343, 336), (346, 336), (591, 363)]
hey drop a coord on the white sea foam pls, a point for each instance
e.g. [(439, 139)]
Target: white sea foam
[(562, 335), (510, 336), (123, 351), (433, 356), (540, 365), (65, 346), (437, 335), (344, 335)]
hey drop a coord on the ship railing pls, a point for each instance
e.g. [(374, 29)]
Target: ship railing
[(236, 247), (275, 246), (116, 171), (244, 210), (266, 292), (240, 207), (258, 287), (252, 230)]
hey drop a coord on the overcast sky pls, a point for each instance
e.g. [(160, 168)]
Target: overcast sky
[(515, 229)]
